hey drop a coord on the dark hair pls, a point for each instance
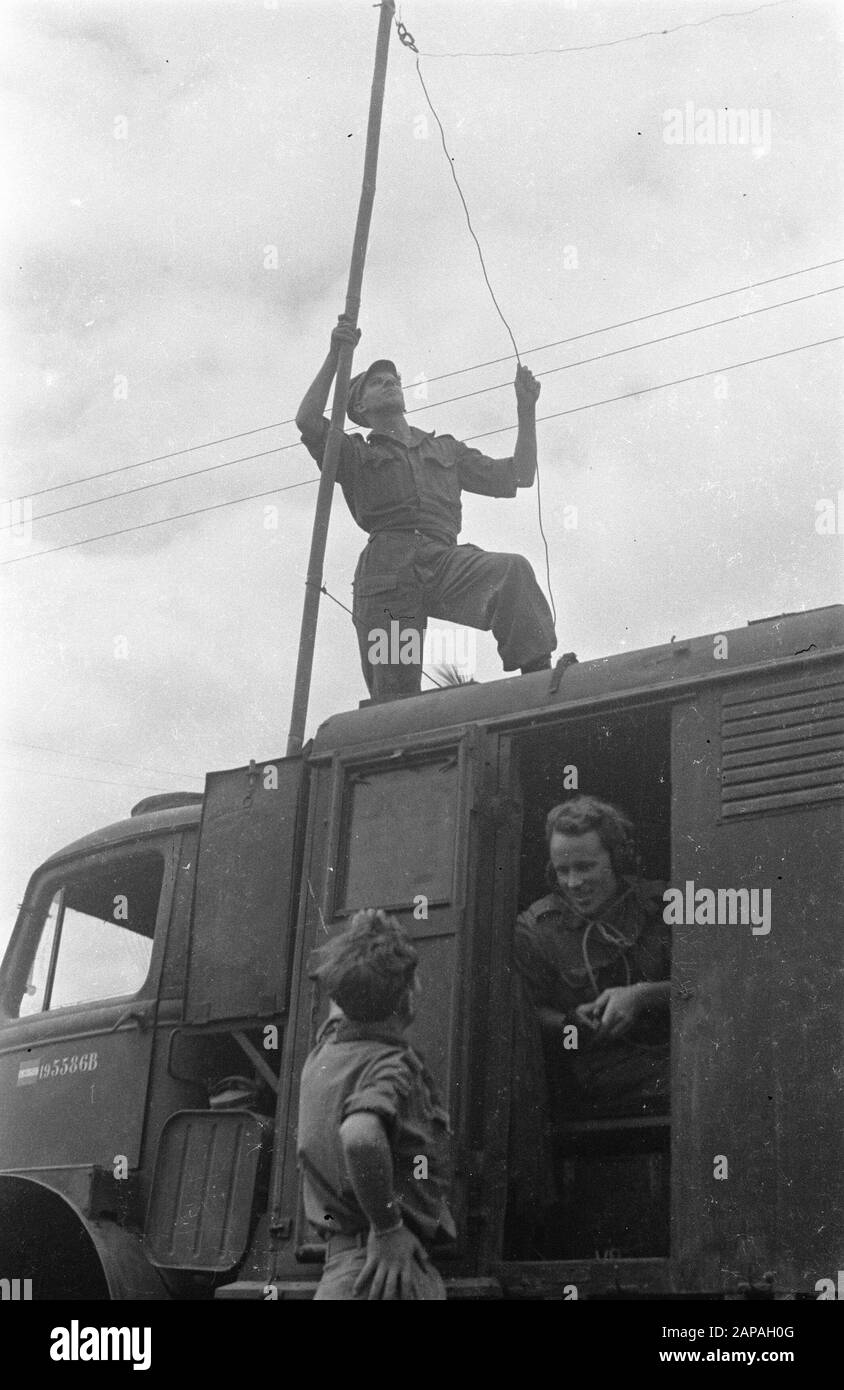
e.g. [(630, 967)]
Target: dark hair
[(368, 968), (581, 814)]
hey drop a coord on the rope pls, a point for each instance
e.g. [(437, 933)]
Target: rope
[(612, 43), (615, 937), (409, 42)]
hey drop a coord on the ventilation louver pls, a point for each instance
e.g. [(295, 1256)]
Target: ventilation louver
[(783, 748)]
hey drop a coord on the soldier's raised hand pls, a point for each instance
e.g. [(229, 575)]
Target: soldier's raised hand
[(343, 333), (527, 387)]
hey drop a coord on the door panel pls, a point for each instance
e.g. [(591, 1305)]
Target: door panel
[(76, 1097), (758, 1051), (246, 891), (402, 842)]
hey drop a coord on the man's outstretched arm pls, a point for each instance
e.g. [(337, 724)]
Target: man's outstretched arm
[(524, 454), (311, 412)]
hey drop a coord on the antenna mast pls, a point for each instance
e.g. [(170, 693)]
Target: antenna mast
[(331, 457)]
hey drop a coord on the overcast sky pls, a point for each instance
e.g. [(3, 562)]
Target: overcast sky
[(182, 190)]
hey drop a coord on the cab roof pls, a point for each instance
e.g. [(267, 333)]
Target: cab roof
[(136, 827)]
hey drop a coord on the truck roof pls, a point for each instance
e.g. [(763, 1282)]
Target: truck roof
[(761, 641), (132, 828)]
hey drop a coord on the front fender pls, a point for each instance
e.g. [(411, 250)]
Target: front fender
[(46, 1238)]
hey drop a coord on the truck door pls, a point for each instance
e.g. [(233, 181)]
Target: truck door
[(398, 829), (79, 999), (246, 893)]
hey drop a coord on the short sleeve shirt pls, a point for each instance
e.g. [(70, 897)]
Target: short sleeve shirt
[(364, 1067), (393, 486)]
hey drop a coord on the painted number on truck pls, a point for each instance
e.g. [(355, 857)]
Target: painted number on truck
[(29, 1072)]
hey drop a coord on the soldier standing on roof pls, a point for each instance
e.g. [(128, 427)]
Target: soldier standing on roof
[(403, 486)]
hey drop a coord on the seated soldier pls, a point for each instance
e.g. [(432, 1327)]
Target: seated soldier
[(594, 960)]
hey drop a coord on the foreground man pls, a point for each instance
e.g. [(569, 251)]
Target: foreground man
[(403, 486), (373, 1139)]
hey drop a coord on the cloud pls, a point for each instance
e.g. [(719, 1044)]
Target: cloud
[(110, 39), (162, 148)]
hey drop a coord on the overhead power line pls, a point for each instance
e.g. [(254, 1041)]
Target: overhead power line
[(662, 385), (608, 43), (175, 478), (640, 318), (441, 376), (632, 347), (68, 777), (435, 405), (573, 410), (160, 521), (91, 758), (159, 458)]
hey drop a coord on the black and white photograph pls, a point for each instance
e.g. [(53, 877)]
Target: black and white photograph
[(422, 534)]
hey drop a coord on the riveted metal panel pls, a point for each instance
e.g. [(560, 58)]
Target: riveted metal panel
[(201, 1202), (757, 1038), (246, 890)]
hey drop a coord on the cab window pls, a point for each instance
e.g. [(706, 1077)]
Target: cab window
[(94, 937)]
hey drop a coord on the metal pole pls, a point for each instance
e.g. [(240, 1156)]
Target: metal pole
[(331, 457)]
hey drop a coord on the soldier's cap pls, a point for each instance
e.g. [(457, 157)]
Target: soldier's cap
[(356, 385)]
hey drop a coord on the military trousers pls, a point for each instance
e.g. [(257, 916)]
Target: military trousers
[(403, 578)]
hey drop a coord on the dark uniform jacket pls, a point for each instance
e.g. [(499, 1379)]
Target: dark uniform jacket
[(563, 959), (567, 959)]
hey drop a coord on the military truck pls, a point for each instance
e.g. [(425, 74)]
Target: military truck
[(156, 1007)]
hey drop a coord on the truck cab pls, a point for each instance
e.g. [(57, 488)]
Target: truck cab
[(91, 991), (156, 1007)]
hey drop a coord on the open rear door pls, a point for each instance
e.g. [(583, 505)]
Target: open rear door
[(246, 893)]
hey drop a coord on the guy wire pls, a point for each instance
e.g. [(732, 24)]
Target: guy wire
[(409, 42)]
